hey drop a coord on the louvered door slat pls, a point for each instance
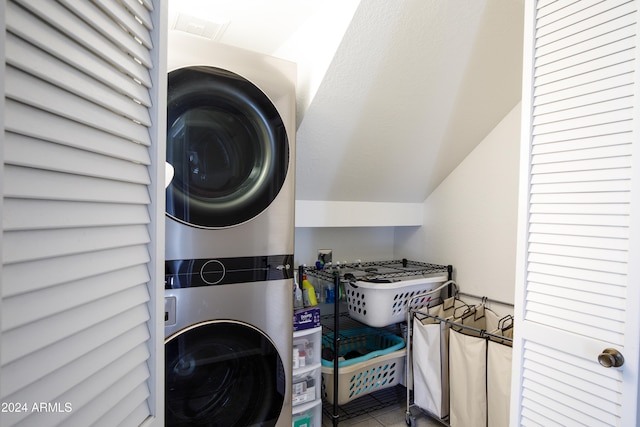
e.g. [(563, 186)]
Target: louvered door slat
[(60, 186), (110, 30), (127, 20), (25, 214), (29, 90), (20, 118), (85, 36), (140, 11), (72, 376), (21, 23), (68, 324), (29, 370), (604, 35), (589, 286), (36, 153), (583, 70), (588, 12), (32, 276), (612, 20), (26, 57), (40, 244), (32, 306)]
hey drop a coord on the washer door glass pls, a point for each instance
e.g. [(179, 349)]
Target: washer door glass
[(228, 147), (222, 374)]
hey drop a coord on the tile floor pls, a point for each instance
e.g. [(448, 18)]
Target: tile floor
[(386, 408)]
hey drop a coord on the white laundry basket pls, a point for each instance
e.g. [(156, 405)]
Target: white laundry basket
[(380, 304)]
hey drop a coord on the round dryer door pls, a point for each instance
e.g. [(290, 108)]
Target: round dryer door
[(228, 147), (222, 373)]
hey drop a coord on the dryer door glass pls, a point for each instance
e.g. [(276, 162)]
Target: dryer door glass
[(228, 147), (222, 374)]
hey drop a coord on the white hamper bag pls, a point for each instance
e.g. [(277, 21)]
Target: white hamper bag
[(430, 366), (468, 380), (498, 383)]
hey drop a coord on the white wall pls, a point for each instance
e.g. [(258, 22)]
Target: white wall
[(348, 243), (470, 219)]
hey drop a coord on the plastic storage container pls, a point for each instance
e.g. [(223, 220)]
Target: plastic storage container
[(380, 366), (382, 304)]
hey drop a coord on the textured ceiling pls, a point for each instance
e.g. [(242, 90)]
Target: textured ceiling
[(392, 95)]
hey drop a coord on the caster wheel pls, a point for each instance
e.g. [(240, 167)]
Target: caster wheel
[(410, 419)]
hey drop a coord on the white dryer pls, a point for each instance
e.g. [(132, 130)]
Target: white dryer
[(229, 236)]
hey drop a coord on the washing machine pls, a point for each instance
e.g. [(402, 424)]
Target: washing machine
[(229, 236)]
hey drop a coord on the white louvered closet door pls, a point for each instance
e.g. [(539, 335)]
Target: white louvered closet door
[(577, 289), (78, 341)]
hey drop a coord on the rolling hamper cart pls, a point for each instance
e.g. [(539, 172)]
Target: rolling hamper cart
[(461, 360)]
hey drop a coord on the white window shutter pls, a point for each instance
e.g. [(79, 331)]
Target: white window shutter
[(82, 238), (576, 292)]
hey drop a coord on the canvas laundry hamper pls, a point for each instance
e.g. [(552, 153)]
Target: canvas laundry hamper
[(430, 361), (468, 368), (499, 357)]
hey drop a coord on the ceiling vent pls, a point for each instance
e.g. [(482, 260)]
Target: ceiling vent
[(200, 27)]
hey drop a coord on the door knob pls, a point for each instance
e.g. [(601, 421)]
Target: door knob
[(611, 358)]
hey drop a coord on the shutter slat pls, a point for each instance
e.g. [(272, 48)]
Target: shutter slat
[(599, 37), (583, 143), (32, 91), (140, 11), (19, 118), (89, 343), (602, 52), (581, 70), (34, 337), (595, 288), (110, 30), (122, 384), (609, 197), (604, 306), (32, 306), (25, 214), (579, 251), (22, 55), (39, 184), (31, 276), (52, 385), (578, 15), (569, 230), (563, 103), (586, 132), (615, 19), (39, 154), (577, 273), (127, 21), (585, 111), (123, 409), (582, 187), (21, 23), (578, 263), (582, 208), (85, 36), (582, 172), (40, 244), (594, 332), (588, 404), (606, 89), (601, 118)]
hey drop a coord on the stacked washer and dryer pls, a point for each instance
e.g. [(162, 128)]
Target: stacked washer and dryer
[(229, 235)]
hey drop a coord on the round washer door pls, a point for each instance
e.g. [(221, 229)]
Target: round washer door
[(227, 144), (222, 373)]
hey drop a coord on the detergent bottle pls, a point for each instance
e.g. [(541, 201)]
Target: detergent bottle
[(308, 293)]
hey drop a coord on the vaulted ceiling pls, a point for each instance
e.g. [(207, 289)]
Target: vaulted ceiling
[(392, 95)]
